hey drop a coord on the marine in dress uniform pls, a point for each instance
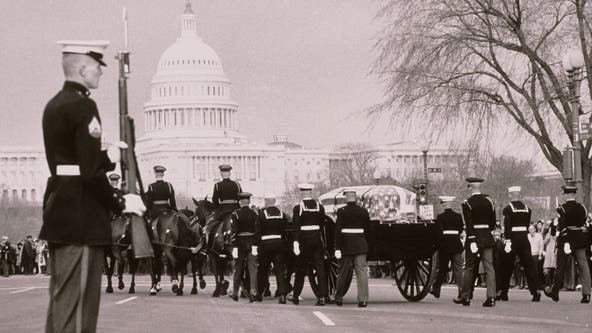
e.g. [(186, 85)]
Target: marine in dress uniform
[(309, 243), (78, 200), (479, 217), (245, 233), (351, 247), (571, 238), (5, 256), (516, 221), (451, 248), (225, 196), (160, 196), (273, 247)]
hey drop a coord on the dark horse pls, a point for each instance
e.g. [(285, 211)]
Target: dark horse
[(173, 237), (199, 256), (217, 241), (121, 253)]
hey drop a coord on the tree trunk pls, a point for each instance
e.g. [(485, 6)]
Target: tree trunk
[(586, 178)]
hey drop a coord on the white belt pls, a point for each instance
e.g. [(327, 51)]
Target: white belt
[(67, 170), (228, 201), (450, 232), (161, 202), (480, 226), (309, 227), (266, 237), (246, 233), (519, 229), (352, 231)]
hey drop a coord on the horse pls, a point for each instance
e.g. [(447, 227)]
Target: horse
[(121, 253), (173, 237), (217, 241), (199, 257)]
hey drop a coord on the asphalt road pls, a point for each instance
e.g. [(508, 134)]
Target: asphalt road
[(23, 302)]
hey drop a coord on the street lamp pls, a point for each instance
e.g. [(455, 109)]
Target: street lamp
[(573, 63)]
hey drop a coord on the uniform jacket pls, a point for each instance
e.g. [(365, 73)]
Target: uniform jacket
[(307, 214), (245, 221), (226, 190), (160, 191), (572, 215), (354, 218), (451, 222), (76, 209), (479, 210), (273, 222), (516, 215)]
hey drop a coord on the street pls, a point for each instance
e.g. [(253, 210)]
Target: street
[(24, 302)]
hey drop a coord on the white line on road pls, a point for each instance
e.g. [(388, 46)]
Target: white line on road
[(22, 290), (323, 318), (127, 300)]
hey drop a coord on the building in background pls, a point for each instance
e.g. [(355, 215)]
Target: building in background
[(23, 174)]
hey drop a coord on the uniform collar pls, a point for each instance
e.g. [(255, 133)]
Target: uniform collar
[(351, 204), (448, 209), (77, 87)]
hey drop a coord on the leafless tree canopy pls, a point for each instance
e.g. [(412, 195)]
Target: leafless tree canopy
[(465, 64), (355, 165)]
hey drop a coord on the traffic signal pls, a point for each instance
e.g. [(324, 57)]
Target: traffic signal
[(422, 194)]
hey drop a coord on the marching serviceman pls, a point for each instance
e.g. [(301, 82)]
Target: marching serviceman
[(479, 216), (516, 221), (309, 243), (572, 238), (351, 247), (451, 248), (78, 200), (160, 196), (245, 238), (272, 247), (225, 197)]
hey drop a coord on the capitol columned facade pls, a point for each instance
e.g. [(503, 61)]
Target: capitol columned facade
[(191, 126)]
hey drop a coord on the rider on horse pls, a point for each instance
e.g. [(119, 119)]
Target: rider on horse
[(160, 196), (226, 192)]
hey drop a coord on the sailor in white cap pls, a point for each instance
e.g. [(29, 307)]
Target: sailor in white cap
[(309, 229), (79, 200), (451, 248), (517, 217)]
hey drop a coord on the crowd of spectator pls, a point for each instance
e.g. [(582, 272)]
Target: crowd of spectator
[(28, 256)]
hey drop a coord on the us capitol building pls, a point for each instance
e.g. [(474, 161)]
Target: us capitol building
[(191, 127)]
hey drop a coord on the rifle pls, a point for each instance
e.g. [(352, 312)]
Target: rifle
[(131, 180)]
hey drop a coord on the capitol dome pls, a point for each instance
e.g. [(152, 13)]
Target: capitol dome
[(190, 93)]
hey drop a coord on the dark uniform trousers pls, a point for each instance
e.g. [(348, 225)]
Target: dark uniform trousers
[(456, 262), (272, 251), (520, 248), (245, 260), (74, 288), (472, 264), (562, 264), (360, 266), (311, 251)]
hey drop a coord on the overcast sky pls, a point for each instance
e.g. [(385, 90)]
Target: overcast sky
[(297, 67)]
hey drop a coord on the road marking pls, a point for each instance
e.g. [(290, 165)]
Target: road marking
[(323, 318), (22, 290), (127, 300)]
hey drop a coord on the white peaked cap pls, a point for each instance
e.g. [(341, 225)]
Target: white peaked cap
[(305, 186), (83, 46), (514, 189), (446, 198)]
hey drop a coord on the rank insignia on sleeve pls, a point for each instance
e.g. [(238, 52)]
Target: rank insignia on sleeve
[(94, 128)]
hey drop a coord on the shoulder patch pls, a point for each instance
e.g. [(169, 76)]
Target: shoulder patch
[(94, 128)]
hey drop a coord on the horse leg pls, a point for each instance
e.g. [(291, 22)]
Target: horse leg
[(109, 270), (214, 267), (120, 269), (200, 264), (194, 263), (181, 282), (223, 283), (133, 264)]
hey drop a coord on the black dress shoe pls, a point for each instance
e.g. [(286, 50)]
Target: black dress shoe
[(295, 300), (536, 297), (549, 294), (435, 292), (585, 299), (457, 300), (466, 302), (320, 302), (362, 304), (282, 299), (503, 297), (489, 302), (235, 298), (339, 302)]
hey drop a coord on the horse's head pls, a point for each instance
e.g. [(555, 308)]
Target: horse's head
[(119, 230), (202, 209)]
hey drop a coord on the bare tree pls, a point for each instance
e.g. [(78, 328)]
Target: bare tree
[(469, 64), (354, 164)]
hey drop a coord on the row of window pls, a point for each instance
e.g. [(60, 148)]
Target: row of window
[(208, 62), (20, 177), (188, 90), (190, 117), (32, 195), (205, 168)]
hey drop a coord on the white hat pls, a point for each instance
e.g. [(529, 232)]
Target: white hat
[(92, 48), (348, 190), (514, 189), (446, 198), (305, 186)]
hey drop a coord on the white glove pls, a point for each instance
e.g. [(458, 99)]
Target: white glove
[(474, 248), (134, 204), (296, 248), (235, 252), (254, 250), (338, 254), (114, 151), (193, 249), (566, 248), (508, 247)]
